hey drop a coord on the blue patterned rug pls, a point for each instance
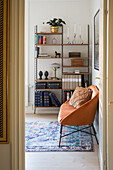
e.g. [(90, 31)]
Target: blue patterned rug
[(44, 136)]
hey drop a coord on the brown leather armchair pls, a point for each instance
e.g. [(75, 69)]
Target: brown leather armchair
[(84, 115)]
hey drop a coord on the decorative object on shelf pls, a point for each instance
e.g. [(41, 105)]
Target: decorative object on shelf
[(46, 75), (40, 74), (54, 41), (55, 24), (55, 66), (68, 33), (96, 41), (77, 62), (74, 39), (80, 36), (57, 54), (74, 54)]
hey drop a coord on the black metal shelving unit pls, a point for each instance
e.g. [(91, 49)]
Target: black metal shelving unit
[(62, 58)]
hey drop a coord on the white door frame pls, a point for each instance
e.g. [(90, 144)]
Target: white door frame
[(102, 86), (110, 85), (17, 85)]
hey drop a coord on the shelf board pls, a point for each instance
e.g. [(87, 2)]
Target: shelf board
[(47, 58), (61, 44), (48, 44), (68, 89), (46, 89), (74, 66), (48, 33), (49, 80), (67, 58), (48, 107), (81, 73), (75, 58), (74, 44)]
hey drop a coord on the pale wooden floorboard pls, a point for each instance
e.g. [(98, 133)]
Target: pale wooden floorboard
[(60, 160)]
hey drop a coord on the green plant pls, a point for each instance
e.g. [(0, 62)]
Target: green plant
[(56, 22)]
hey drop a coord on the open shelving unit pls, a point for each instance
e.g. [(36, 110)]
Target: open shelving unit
[(62, 58)]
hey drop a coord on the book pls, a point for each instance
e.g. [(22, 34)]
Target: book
[(73, 87), (71, 81), (68, 95), (65, 96), (46, 99), (36, 99), (40, 39), (80, 80), (56, 99), (53, 100), (37, 51), (63, 87), (66, 81), (41, 98), (36, 39), (77, 80)]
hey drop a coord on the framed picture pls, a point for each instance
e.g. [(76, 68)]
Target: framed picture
[(4, 70), (96, 40)]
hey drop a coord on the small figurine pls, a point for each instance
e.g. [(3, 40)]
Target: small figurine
[(40, 74), (46, 75), (57, 54)]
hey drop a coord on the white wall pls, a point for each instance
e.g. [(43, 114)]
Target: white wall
[(95, 5), (5, 157), (71, 12)]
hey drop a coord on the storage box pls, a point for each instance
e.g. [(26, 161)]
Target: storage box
[(74, 54), (53, 85), (41, 85), (77, 62)]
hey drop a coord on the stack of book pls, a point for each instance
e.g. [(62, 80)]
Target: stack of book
[(39, 39), (71, 81), (46, 99)]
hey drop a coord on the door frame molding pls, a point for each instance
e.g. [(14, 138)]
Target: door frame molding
[(17, 97), (109, 85)]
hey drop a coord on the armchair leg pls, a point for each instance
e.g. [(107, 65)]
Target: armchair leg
[(60, 134), (94, 133)]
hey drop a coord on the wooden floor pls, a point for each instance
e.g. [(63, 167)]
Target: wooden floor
[(60, 160)]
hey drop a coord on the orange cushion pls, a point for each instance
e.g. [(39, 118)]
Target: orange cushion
[(80, 96)]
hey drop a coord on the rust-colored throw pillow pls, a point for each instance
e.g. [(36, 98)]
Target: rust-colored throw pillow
[(80, 96)]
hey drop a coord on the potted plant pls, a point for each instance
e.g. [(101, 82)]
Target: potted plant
[(55, 24)]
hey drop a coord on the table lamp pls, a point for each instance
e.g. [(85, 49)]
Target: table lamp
[(55, 66)]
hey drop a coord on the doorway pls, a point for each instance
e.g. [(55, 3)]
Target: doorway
[(88, 11)]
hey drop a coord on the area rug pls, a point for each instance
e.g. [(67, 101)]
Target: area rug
[(44, 136)]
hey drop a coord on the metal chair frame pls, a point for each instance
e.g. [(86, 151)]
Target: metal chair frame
[(76, 130)]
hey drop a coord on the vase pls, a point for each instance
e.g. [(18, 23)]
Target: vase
[(54, 29)]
